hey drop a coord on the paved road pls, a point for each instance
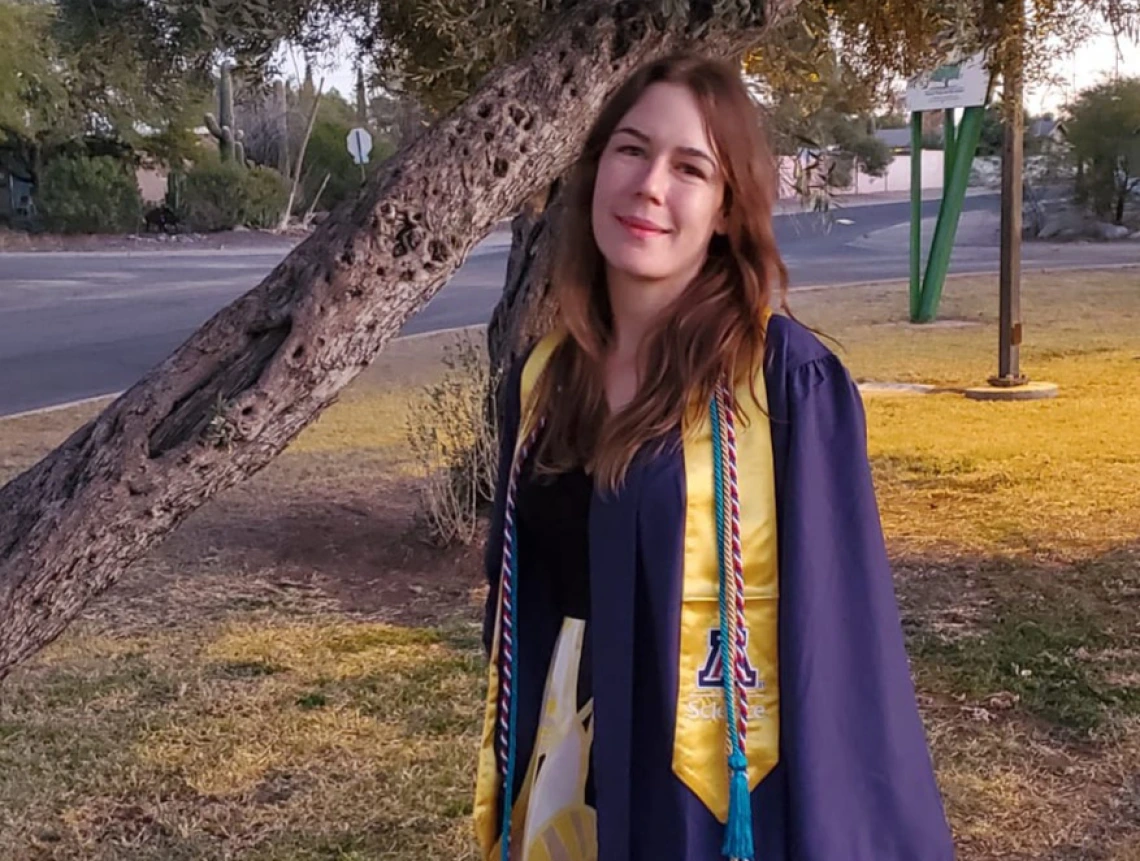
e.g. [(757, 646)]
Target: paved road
[(85, 324)]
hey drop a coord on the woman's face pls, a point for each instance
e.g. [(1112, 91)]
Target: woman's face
[(659, 190)]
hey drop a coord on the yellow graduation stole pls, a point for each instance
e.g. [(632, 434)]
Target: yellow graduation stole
[(702, 738)]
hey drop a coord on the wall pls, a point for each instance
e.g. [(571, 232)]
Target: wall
[(896, 179), (152, 184)]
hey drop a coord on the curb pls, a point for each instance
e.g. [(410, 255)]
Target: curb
[(57, 407)]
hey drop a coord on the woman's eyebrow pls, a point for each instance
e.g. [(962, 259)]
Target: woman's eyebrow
[(684, 150)]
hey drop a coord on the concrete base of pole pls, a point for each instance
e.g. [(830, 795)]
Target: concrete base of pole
[(1034, 391)]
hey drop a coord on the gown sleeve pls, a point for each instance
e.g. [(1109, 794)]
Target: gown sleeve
[(861, 783)]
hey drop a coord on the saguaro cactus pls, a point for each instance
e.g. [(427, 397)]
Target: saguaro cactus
[(231, 144)]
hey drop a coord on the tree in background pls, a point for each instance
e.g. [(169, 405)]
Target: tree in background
[(115, 77), (33, 96), (1103, 126), (35, 108), (818, 109)]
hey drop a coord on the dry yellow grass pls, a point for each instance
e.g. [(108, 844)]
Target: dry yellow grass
[(1054, 477), (266, 739)]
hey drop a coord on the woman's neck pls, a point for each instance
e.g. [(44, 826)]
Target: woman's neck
[(636, 305)]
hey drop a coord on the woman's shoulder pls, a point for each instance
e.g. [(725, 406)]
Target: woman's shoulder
[(793, 345)]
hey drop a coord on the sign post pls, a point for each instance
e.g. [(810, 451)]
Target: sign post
[(915, 213), (359, 147), (953, 85)]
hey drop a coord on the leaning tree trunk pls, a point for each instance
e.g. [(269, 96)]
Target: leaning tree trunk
[(232, 397), (526, 310)]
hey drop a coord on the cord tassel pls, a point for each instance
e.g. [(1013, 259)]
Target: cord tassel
[(738, 831)]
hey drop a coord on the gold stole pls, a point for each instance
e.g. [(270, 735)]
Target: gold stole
[(700, 741), (700, 756)]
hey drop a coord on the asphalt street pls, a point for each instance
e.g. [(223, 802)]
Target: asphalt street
[(78, 325)]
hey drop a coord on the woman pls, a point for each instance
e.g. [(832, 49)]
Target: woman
[(684, 487)]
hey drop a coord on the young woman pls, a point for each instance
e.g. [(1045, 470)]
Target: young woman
[(684, 488)]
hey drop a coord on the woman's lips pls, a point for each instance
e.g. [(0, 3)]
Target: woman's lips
[(640, 227)]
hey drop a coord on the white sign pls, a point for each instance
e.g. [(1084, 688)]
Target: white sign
[(954, 85), (359, 145)]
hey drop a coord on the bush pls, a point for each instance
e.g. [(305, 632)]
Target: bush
[(89, 195), (266, 196), (211, 196), (218, 195), (872, 155), (455, 445), (840, 170)]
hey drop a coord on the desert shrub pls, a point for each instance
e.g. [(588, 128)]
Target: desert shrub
[(89, 195), (221, 195), (455, 445)]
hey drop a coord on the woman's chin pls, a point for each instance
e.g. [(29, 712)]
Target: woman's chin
[(636, 266)]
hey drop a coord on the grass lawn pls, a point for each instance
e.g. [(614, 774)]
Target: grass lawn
[(295, 674)]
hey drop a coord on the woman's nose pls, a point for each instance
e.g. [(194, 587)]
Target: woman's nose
[(653, 180)]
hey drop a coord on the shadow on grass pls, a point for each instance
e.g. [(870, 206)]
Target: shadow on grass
[(1061, 639)]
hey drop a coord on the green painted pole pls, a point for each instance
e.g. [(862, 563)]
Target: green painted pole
[(949, 142), (915, 213), (939, 263)]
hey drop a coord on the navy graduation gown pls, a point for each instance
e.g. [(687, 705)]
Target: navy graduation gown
[(855, 780)]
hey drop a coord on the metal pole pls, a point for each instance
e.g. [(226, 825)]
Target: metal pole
[(915, 213), (1009, 306), (949, 139), (939, 262)]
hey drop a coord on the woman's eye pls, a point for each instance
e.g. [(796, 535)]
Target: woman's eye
[(693, 170), (630, 149)]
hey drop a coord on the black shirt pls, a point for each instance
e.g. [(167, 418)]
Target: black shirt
[(553, 532), (553, 516)]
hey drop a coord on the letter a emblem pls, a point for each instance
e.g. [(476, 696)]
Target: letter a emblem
[(711, 675)]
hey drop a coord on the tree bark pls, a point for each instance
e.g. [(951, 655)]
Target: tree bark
[(526, 310), (243, 386)]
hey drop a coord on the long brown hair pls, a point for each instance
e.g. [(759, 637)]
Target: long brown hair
[(714, 331)]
